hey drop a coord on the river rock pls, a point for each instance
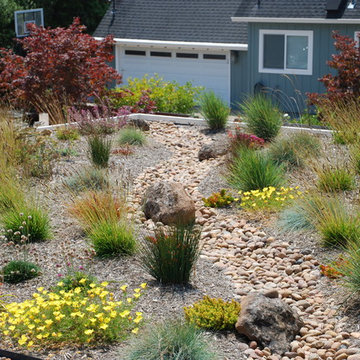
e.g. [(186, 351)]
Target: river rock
[(269, 321)]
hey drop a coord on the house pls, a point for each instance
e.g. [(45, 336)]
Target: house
[(234, 47)]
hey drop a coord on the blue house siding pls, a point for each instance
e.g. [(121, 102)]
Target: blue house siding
[(289, 90), (239, 86)]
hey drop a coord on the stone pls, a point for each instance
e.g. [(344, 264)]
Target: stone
[(268, 321), (213, 150), (168, 203), (139, 123)]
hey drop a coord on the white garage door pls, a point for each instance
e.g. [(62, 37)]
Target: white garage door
[(208, 69)]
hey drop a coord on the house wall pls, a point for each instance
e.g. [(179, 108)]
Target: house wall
[(239, 77), (289, 90)]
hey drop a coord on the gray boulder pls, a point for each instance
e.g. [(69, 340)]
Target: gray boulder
[(139, 123), (214, 149), (269, 321), (169, 203)]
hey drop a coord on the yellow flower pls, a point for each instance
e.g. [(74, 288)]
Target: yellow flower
[(104, 326), (124, 287), (12, 328), (77, 290), (30, 344), (129, 300), (88, 331), (104, 284), (6, 332), (82, 281), (48, 322), (125, 313), (92, 285), (135, 331), (40, 289), (31, 326), (22, 340), (138, 319)]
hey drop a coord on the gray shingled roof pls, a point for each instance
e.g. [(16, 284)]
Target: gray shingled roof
[(291, 9), (175, 20)]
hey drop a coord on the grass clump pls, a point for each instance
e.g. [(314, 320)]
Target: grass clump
[(32, 223), (99, 149), (332, 178), (262, 117), (355, 157), (111, 239), (90, 178), (172, 341), (253, 170), (214, 110), (295, 219), (131, 136), (18, 271), (67, 134), (72, 319), (284, 151), (213, 314), (169, 256)]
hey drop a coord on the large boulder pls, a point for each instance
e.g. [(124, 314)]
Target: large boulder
[(139, 123), (269, 321), (169, 203), (214, 149)]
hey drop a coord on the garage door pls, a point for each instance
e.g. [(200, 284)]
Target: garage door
[(208, 69)]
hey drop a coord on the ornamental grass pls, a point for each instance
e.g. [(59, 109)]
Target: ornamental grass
[(70, 318)]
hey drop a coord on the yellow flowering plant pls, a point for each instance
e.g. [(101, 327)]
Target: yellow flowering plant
[(269, 197), (70, 317)]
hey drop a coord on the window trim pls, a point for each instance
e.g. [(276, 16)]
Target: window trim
[(308, 33), (357, 37)]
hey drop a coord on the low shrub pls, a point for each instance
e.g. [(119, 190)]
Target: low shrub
[(70, 318), (99, 149), (284, 151), (218, 200), (262, 117), (335, 178), (240, 139), (67, 133), (269, 198), (295, 218), (95, 207), (171, 340), (18, 271), (169, 256), (111, 239), (213, 314), (253, 170), (332, 269), (76, 279), (32, 223), (89, 178), (214, 110), (131, 136)]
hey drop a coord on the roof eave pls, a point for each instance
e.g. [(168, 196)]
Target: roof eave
[(179, 44), (294, 20)]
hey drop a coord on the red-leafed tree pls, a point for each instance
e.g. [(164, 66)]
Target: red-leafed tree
[(62, 63), (346, 82)]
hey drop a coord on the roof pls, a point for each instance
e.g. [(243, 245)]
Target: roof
[(315, 9), (174, 20)]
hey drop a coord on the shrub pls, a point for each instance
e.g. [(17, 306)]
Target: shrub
[(269, 197), (76, 279), (32, 222), (240, 139), (67, 133), (99, 148), (89, 178), (112, 239), (214, 110), (168, 97), (262, 117), (171, 340), (17, 271), (355, 157), (295, 219), (94, 207), (253, 170), (169, 256), (218, 200), (335, 178), (332, 269), (70, 318), (284, 151), (213, 314), (131, 136), (307, 144)]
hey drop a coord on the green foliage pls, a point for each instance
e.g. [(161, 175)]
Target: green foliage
[(214, 110), (169, 256), (335, 178), (32, 222), (213, 314), (295, 219), (11, 192), (67, 133), (171, 341), (169, 96), (111, 239), (89, 178), (218, 200), (355, 157), (307, 144), (284, 151), (340, 138), (262, 117), (131, 136), (253, 170), (77, 279), (99, 148), (17, 271)]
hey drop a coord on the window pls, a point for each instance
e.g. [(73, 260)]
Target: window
[(160, 53), (357, 37), (135, 52), (285, 52), (214, 57), (187, 55)]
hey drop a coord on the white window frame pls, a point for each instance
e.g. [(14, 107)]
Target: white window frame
[(309, 34), (357, 37)]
